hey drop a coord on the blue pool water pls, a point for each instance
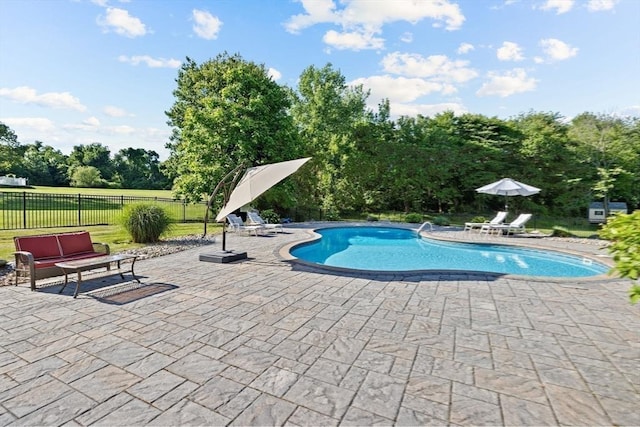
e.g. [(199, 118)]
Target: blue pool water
[(395, 249)]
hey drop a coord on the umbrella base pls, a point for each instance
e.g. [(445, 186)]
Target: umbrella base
[(223, 257)]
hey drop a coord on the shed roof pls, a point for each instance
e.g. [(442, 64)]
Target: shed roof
[(612, 205)]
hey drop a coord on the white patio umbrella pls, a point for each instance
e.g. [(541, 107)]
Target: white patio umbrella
[(508, 187), (257, 180)]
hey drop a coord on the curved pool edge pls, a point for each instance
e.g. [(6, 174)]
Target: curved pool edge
[(284, 254)]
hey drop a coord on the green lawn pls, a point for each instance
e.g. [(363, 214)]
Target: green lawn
[(117, 238), (167, 194)]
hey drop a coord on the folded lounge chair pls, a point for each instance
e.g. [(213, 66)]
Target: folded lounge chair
[(236, 224), (255, 219), (517, 225), (498, 219)]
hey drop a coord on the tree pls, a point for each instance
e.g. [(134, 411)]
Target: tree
[(138, 168), (610, 146), (96, 155), (87, 176), (11, 152), (327, 111), (226, 111), (43, 165)]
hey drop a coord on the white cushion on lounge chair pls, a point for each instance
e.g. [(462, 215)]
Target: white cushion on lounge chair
[(256, 219), (515, 225), (498, 219)]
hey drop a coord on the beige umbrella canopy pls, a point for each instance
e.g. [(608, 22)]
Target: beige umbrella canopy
[(508, 187), (257, 180)]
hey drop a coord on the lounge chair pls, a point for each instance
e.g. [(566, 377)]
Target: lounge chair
[(497, 220), (517, 225), (256, 219), (236, 224)]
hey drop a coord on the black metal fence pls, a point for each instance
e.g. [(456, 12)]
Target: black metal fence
[(40, 210)]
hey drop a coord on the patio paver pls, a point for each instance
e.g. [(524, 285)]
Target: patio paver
[(263, 342)]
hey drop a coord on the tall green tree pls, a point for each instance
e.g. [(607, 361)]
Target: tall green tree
[(610, 146), (94, 154), (138, 168), (11, 152), (226, 111), (326, 112), (44, 165)]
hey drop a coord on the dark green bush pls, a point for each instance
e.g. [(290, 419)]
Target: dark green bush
[(559, 231), (145, 222), (413, 218), (270, 216), (441, 220), (478, 219)]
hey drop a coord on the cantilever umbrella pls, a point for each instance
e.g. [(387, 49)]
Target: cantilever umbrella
[(254, 182), (508, 187)]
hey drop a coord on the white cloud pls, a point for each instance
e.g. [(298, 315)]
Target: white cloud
[(560, 6), (600, 5), (436, 67), (112, 111), (36, 124), (274, 74), (206, 25), (352, 40), (510, 51), (91, 121), (150, 62), (360, 20), (57, 100), (507, 83), (401, 89), (557, 50), (119, 21), (406, 37), (465, 48)]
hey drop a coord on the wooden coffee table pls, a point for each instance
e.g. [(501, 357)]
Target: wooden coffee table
[(77, 267)]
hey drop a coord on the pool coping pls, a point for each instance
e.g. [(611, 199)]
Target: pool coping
[(284, 253)]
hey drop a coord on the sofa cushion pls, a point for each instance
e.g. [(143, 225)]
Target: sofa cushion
[(39, 246), (51, 262), (75, 243)]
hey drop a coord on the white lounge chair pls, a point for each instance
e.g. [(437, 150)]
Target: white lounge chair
[(517, 225), (255, 219), (497, 220), (236, 224)]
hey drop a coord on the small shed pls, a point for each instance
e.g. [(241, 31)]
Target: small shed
[(597, 214)]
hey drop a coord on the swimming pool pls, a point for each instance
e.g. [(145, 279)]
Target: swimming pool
[(388, 249)]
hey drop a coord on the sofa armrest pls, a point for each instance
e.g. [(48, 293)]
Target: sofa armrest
[(25, 263), (101, 247)]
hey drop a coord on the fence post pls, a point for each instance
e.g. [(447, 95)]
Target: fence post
[(24, 209), (184, 211), (79, 210)]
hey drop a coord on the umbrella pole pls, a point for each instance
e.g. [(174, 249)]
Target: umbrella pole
[(224, 238)]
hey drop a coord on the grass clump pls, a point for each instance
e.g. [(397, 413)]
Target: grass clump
[(145, 222), (413, 218), (558, 231)]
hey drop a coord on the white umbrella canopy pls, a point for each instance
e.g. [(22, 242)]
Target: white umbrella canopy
[(508, 187), (257, 180)]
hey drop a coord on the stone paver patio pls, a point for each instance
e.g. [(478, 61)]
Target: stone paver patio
[(262, 342)]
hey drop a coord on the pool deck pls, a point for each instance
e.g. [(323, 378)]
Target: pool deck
[(265, 342)]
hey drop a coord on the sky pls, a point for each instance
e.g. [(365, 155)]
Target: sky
[(83, 71)]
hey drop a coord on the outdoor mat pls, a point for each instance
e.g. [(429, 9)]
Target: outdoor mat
[(128, 292)]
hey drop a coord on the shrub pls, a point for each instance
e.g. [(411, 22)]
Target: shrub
[(145, 222), (413, 218), (558, 231), (371, 218), (478, 219), (624, 232), (441, 220), (270, 216)]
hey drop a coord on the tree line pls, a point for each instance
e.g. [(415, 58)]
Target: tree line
[(90, 165), (228, 111)]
